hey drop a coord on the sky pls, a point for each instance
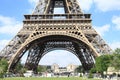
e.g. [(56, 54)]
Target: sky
[(105, 19)]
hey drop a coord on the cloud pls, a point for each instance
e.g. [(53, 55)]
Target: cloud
[(33, 1), (10, 29), (103, 29), (3, 43), (116, 21), (85, 4), (33, 4), (107, 5), (6, 20), (115, 45), (9, 25)]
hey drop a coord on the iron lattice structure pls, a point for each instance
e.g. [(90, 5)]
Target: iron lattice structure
[(44, 31)]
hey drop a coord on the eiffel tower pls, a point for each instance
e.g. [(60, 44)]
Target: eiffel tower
[(44, 31)]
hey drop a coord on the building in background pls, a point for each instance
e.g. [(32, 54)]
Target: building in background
[(69, 68), (55, 68)]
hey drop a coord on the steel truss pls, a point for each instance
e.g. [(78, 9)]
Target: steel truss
[(79, 49), (44, 31)]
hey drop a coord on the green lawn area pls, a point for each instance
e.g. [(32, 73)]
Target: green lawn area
[(60, 78)]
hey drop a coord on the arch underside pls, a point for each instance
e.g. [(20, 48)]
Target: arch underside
[(38, 48)]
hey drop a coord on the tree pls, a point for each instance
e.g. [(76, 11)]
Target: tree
[(20, 69), (3, 67), (102, 63), (117, 51), (41, 69), (115, 62), (93, 70), (79, 69), (90, 75), (116, 59)]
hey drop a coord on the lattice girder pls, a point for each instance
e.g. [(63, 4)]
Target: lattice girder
[(38, 50), (43, 23), (35, 37), (13, 46), (44, 6), (99, 44)]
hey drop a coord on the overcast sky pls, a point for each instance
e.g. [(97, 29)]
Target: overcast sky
[(105, 19)]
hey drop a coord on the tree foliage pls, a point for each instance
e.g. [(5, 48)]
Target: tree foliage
[(90, 75), (93, 70), (41, 69), (79, 69), (105, 61), (117, 51), (20, 68), (115, 62), (3, 67), (102, 63)]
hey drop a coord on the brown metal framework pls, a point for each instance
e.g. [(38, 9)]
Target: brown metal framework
[(44, 31)]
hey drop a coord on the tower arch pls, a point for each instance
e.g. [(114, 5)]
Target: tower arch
[(41, 46), (44, 31)]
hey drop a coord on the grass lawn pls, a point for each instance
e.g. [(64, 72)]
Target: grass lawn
[(35, 78)]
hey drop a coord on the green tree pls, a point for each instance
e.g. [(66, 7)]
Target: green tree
[(102, 63), (115, 62), (93, 70), (20, 69), (117, 51), (3, 67), (23, 70), (79, 69), (90, 75), (41, 69)]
